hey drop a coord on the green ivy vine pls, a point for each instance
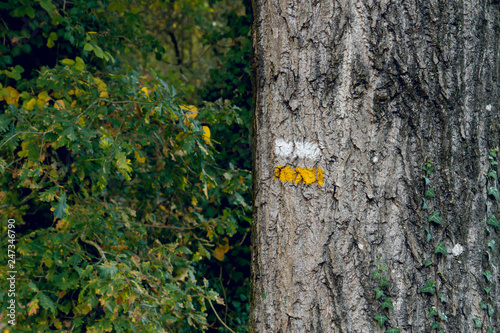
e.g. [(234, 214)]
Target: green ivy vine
[(486, 305), (431, 287), (380, 295)]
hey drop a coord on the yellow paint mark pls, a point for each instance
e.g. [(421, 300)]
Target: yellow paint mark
[(299, 175), (285, 174), (320, 176), (307, 176)]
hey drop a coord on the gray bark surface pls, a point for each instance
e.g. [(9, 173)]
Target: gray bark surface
[(380, 87)]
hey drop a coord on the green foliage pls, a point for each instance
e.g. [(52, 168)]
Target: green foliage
[(432, 312), (229, 80), (487, 275), (491, 178), (493, 192), (387, 304), (424, 204), (429, 287), (122, 202), (383, 282), (378, 293), (441, 248), (381, 319), (435, 218), (429, 235), (492, 220), (428, 168), (430, 193)]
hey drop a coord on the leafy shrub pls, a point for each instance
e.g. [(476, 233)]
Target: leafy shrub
[(114, 183)]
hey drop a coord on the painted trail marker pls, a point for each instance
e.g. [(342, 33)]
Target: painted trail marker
[(309, 150), (298, 175)]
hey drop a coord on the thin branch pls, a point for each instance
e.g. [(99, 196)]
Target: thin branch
[(22, 202), (36, 133), (224, 292), (223, 323), (244, 236), (94, 244)]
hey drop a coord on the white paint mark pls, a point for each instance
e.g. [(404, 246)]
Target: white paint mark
[(375, 159), (306, 150), (283, 148), (457, 250), (488, 107), (309, 150)]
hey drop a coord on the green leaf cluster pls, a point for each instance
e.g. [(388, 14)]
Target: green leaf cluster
[(385, 302), (121, 197)]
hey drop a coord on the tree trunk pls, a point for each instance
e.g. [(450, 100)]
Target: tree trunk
[(352, 100)]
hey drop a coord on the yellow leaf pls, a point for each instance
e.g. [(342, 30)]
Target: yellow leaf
[(14, 96), (145, 90), (44, 96), (43, 99), (33, 307), (48, 262), (104, 94), (139, 158), (57, 323), (59, 104), (81, 122), (206, 136), (193, 111), (77, 92), (221, 250), (101, 86), (84, 308), (31, 104)]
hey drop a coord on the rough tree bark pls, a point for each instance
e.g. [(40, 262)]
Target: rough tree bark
[(357, 96)]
